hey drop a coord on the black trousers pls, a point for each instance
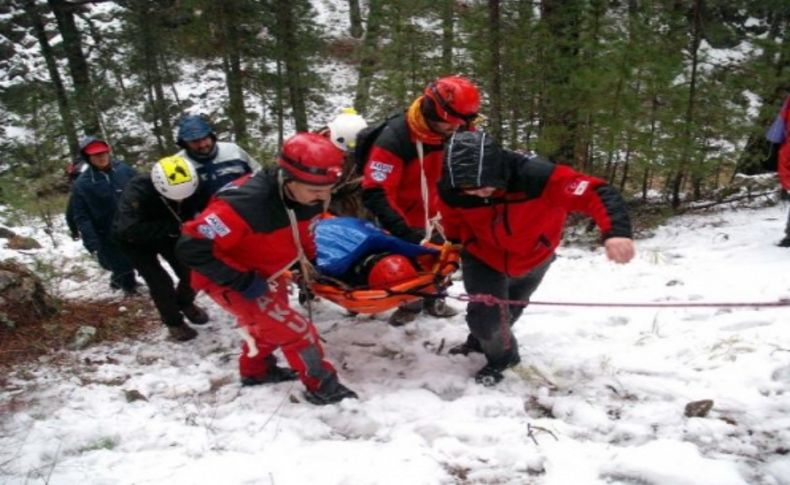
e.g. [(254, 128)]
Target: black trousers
[(490, 324), (112, 258), (168, 299)]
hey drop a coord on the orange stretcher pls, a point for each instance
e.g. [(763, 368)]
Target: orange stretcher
[(434, 271)]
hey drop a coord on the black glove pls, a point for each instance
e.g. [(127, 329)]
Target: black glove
[(785, 195), (256, 289)]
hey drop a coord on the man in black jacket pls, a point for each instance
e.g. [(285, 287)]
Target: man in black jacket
[(147, 225)]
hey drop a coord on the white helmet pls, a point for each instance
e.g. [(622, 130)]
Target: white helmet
[(344, 128), (174, 177)]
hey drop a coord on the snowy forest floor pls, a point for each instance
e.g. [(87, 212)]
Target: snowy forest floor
[(599, 397)]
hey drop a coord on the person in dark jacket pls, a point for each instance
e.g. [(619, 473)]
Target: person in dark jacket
[(147, 225), (94, 199), (508, 210), (404, 165), (243, 243), (218, 163)]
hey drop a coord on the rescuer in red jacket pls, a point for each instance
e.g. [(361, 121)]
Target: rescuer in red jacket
[(508, 212), (393, 187), (239, 248)]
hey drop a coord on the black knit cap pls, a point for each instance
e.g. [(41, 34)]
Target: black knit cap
[(473, 159)]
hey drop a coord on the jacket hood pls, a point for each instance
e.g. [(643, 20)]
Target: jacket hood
[(473, 159)]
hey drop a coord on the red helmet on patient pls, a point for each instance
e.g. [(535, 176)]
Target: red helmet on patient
[(391, 269)]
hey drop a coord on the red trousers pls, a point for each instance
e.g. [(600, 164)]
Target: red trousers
[(272, 323)]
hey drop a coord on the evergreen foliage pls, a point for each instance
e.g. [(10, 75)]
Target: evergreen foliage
[(656, 96)]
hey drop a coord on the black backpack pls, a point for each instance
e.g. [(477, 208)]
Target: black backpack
[(365, 140)]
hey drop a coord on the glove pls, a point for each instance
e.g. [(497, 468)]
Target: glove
[(256, 289), (785, 195)]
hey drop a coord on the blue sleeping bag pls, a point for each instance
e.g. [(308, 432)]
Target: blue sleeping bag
[(341, 241)]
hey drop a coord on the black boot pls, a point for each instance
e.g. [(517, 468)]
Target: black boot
[(195, 314), (491, 374), (273, 375), (402, 316), (438, 308), (472, 345), (336, 393), (181, 333), (784, 243)]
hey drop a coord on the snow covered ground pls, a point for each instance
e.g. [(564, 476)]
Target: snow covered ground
[(599, 396)]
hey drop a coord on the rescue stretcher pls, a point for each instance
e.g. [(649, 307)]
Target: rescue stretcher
[(433, 277)]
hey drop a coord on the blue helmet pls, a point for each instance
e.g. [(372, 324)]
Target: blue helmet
[(193, 127)]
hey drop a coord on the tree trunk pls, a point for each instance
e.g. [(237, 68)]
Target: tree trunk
[(495, 84), (355, 19), (280, 106), (148, 39), (78, 66), (232, 66), (561, 20), (369, 56), (289, 44), (57, 83), (448, 34), (685, 159)]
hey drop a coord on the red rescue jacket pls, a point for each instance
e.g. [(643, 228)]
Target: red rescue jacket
[(246, 228), (391, 180), (518, 229)]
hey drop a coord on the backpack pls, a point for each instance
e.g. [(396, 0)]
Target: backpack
[(365, 140)]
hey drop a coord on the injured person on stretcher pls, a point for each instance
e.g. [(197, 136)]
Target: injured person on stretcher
[(366, 270)]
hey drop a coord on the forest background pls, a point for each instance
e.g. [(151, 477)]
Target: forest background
[(659, 97)]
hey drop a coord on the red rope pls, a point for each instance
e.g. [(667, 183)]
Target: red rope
[(492, 300)]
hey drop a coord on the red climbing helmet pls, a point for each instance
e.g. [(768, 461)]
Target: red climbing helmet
[(453, 99), (311, 159), (391, 269)]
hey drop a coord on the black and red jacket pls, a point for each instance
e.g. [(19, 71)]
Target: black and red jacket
[(391, 187), (519, 228), (245, 230)]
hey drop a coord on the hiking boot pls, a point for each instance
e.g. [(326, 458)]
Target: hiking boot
[(195, 314), (273, 375), (181, 333), (784, 243), (472, 345), (322, 398), (402, 316), (438, 308), (491, 374)]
